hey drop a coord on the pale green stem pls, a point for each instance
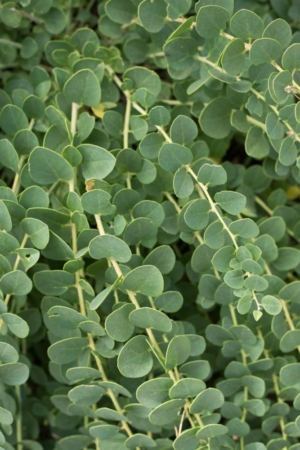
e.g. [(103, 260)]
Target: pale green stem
[(213, 205), (261, 203), (126, 123), (52, 187), (248, 45), (176, 102), (196, 233), (256, 301), (248, 48), (179, 19), (276, 389), (27, 15), (90, 337), (128, 180), (287, 316), (132, 22), (277, 66), (116, 296), (258, 94), (277, 392), (135, 105), (244, 359), (233, 315), (267, 268), (16, 264), (19, 434), (8, 66), (256, 123), (10, 43), (17, 388), (204, 60), (200, 192), (110, 393), (16, 184), (173, 201), (74, 115), (261, 96), (264, 206), (32, 17), (132, 298)]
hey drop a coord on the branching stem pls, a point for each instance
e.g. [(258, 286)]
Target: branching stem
[(213, 205)]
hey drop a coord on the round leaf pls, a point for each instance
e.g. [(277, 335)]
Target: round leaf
[(108, 246), (48, 167), (162, 257), (211, 431), (8, 155), (246, 25), (207, 401), (256, 283), (14, 374), (233, 58), (197, 214), (154, 392), (150, 318), (118, 325), (183, 130), (97, 202), (53, 282), (152, 14), (8, 353), (16, 325), (215, 118), (222, 258), (12, 119), (291, 58), (83, 88), (96, 161), (231, 202), (38, 232), (159, 115), (183, 183), (280, 30), (211, 20), (212, 175), (140, 440), (265, 50), (173, 156), (166, 413), (169, 302), (245, 228), (5, 219), (256, 143), (15, 283), (67, 350), (135, 359), (271, 305), (146, 280)]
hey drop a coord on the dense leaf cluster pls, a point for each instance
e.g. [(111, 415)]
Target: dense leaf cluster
[(149, 224)]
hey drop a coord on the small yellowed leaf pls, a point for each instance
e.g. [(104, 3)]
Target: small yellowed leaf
[(257, 315), (293, 192), (89, 185), (98, 110)]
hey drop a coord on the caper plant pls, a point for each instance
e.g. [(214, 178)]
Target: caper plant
[(149, 224)]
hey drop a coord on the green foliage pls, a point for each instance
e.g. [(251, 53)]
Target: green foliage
[(149, 224)]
